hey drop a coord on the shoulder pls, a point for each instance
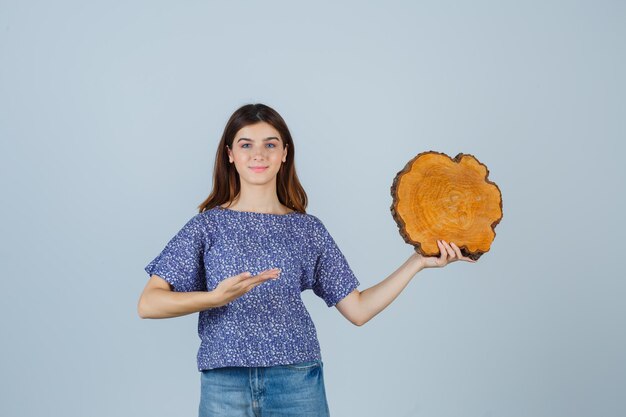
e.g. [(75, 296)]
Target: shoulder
[(309, 221), (316, 222), (317, 225), (200, 224), (205, 220), (317, 232)]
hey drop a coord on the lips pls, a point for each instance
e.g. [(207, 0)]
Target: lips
[(259, 168)]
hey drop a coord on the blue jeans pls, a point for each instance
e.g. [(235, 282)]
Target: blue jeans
[(294, 390)]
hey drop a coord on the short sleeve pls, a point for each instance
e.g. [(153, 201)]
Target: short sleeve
[(333, 277), (181, 262)]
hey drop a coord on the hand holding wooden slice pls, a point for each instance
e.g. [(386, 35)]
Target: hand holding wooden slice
[(438, 197)]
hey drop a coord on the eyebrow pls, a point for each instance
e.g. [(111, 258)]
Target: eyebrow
[(265, 140)]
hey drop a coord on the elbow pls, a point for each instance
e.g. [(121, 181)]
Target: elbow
[(359, 322), (148, 306), (142, 312), (360, 319)]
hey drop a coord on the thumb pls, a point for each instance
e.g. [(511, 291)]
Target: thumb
[(246, 274)]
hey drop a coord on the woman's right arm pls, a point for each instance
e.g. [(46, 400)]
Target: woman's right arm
[(158, 301)]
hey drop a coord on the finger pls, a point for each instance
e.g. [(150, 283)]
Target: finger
[(457, 250), (259, 279), (443, 259), (267, 275), (246, 279), (272, 272), (442, 249), (460, 254), (244, 276), (453, 255), (264, 278), (450, 250)]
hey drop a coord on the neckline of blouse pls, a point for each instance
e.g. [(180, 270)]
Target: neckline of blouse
[(255, 212)]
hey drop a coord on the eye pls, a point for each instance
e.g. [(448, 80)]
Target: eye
[(272, 145)]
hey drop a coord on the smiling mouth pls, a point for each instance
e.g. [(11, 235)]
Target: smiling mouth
[(259, 169)]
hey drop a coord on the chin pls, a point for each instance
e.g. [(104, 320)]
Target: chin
[(260, 179)]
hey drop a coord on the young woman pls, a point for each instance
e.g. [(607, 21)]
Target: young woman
[(242, 263)]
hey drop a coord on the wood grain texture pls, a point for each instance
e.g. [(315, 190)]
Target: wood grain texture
[(451, 199)]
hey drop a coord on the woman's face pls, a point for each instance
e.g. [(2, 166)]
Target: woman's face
[(257, 145)]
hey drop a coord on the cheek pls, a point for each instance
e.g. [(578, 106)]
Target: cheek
[(240, 156), (276, 154)]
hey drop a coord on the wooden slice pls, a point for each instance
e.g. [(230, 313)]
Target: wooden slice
[(438, 197)]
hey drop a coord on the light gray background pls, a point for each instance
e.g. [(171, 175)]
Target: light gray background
[(110, 113)]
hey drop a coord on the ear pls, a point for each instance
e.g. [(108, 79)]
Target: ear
[(230, 154)]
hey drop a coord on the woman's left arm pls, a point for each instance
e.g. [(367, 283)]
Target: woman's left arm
[(360, 306)]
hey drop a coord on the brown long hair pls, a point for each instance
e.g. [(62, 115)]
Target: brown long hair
[(226, 185)]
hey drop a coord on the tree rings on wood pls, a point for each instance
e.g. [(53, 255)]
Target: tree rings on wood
[(436, 197)]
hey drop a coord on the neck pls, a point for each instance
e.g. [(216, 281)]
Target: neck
[(259, 198)]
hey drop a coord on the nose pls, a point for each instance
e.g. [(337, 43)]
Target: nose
[(259, 153)]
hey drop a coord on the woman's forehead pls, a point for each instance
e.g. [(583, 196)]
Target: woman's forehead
[(261, 131)]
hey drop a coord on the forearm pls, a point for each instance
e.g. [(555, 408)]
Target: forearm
[(161, 303), (375, 299)]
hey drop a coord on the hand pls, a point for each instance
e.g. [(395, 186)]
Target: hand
[(236, 286), (449, 253)]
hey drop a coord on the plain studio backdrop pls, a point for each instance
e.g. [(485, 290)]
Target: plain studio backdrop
[(110, 114)]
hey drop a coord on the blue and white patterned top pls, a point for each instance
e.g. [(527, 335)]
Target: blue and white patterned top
[(269, 325)]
